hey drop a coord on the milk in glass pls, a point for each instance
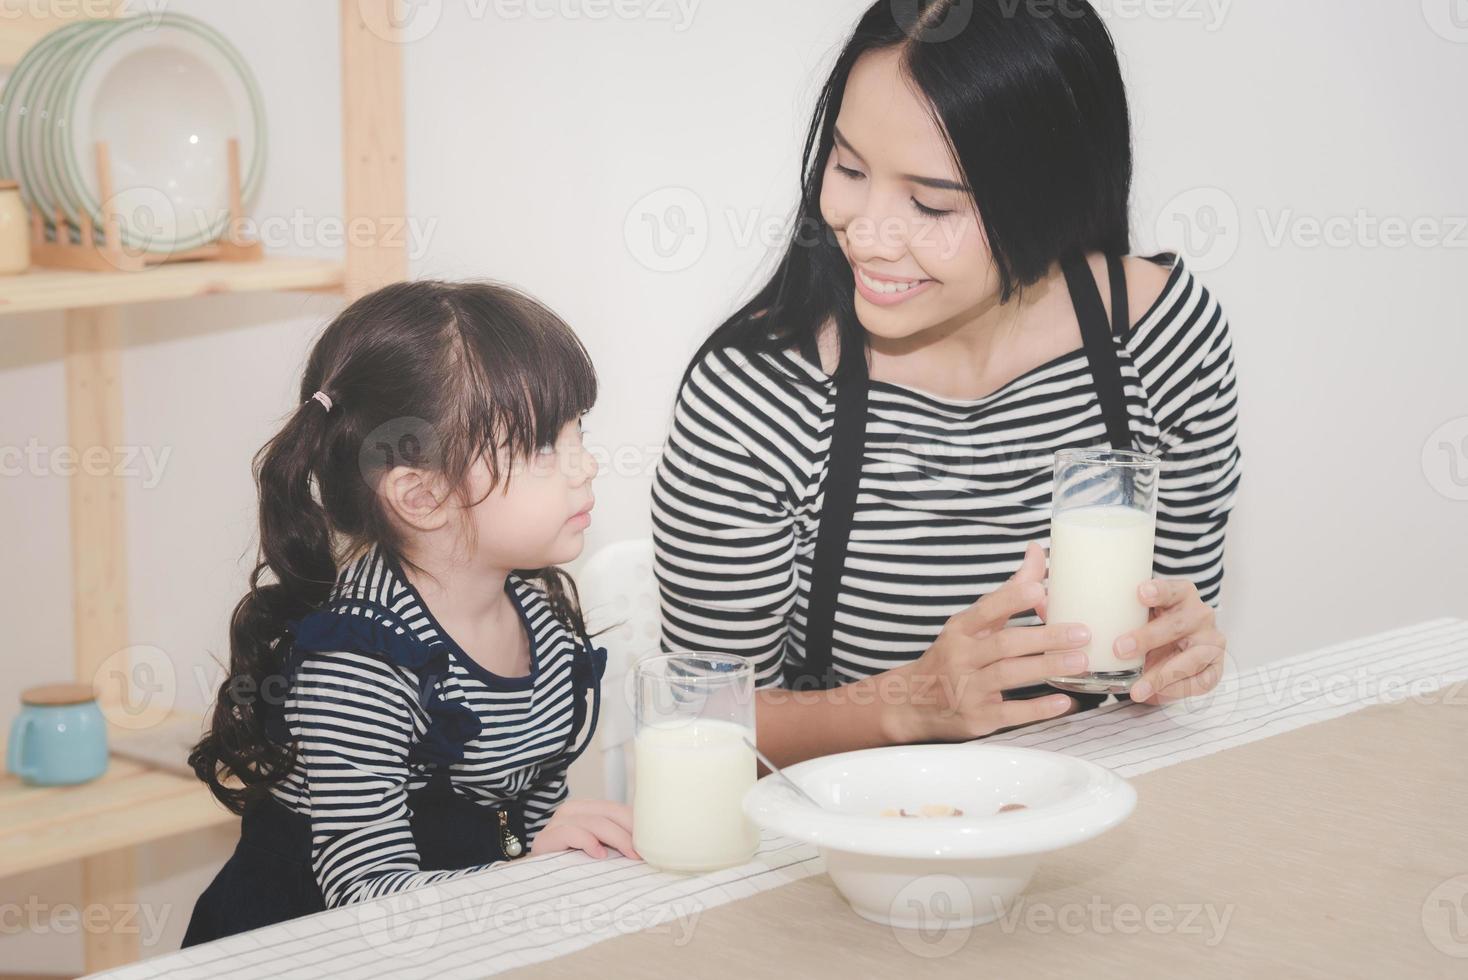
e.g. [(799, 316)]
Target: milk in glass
[(687, 808), (1098, 558)]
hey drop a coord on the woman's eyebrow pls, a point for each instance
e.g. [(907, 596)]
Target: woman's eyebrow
[(933, 182)]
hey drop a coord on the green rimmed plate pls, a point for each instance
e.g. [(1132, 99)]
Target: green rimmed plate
[(166, 92)]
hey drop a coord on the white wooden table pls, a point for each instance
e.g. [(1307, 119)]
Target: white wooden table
[(1305, 819)]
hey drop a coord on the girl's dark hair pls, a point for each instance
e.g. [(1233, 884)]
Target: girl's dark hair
[(432, 374), (1032, 98)]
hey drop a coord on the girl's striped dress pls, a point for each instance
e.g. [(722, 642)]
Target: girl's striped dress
[(371, 729)]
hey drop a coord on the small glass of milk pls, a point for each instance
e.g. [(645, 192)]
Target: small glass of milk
[(691, 766), (1102, 521)]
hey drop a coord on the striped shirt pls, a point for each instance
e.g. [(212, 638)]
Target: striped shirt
[(356, 716), (951, 490)]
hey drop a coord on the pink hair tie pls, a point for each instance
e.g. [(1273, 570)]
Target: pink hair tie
[(323, 398)]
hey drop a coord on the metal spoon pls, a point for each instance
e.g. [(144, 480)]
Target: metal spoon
[(776, 770)]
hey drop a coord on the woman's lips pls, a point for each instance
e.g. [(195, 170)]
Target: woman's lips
[(878, 290)]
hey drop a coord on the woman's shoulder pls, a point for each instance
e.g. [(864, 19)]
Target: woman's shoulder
[(1148, 278), (776, 377), (1173, 313), (745, 411)]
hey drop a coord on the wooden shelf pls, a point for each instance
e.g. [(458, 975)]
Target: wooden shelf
[(61, 289), (98, 824), (128, 805)]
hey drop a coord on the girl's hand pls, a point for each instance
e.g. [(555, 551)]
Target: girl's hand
[(1184, 648), (587, 825), (955, 690)]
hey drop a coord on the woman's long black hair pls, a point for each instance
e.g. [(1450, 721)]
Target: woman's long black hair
[(1031, 96), (433, 374)]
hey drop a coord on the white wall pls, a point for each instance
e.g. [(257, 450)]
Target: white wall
[(532, 141)]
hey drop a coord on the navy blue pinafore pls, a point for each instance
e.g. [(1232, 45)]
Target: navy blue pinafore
[(270, 878)]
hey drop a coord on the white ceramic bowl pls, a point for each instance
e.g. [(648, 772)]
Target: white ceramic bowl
[(166, 93), (965, 870)]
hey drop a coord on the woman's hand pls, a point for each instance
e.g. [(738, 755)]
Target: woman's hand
[(1183, 646), (955, 690), (588, 825)]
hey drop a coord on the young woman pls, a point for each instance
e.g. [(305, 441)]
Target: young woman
[(864, 449)]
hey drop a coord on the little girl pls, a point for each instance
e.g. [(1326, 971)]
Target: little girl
[(409, 672)]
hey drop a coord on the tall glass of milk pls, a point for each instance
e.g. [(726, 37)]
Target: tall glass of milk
[(1102, 521), (691, 766)]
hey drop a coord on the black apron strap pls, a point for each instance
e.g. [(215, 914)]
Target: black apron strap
[(1098, 338), (838, 509)]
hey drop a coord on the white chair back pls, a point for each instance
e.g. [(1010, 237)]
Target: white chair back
[(619, 594)]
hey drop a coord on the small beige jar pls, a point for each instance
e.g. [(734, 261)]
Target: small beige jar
[(15, 230)]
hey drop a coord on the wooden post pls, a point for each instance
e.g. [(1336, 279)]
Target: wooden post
[(110, 881), (374, 181), (99, 578), (98, 542)]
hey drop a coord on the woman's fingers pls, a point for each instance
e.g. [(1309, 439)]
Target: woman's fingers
[(1030, 710), (1018, 642), (1178, 663), (992, 611), (1168, 625), (1036, 555), (1032, 568), (1012, 672), (1162, 592), (1201, 682), (1021, 592)]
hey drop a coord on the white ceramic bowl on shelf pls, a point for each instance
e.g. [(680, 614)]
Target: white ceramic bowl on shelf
[(166, 92), (967, 869)]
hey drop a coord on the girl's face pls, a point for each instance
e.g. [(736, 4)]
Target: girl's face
[(900, 209), (539, 515)]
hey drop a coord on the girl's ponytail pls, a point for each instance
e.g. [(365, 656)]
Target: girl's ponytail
[(236, 759)]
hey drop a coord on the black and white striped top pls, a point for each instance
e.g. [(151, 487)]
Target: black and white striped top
[(951, 490), (359, 717)]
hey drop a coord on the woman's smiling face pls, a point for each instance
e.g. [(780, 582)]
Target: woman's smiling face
[(900, 209)]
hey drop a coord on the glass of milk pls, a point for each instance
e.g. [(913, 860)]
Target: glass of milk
[(1102, 521), (691, 766)]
